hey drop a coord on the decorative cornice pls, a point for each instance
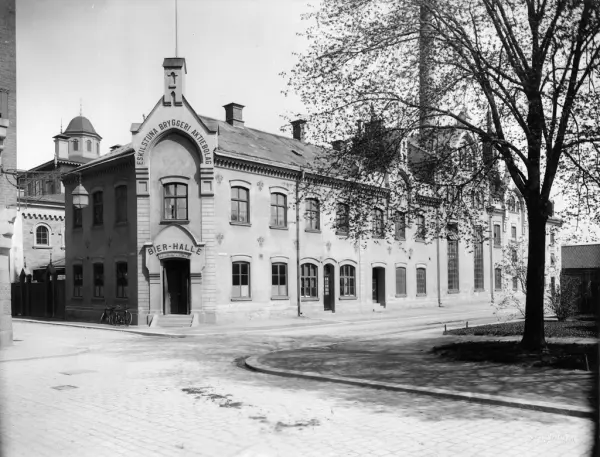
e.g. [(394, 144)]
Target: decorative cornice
[(73, 177), (44, 217)]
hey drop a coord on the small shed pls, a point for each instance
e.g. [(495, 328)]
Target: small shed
[(582, 261)]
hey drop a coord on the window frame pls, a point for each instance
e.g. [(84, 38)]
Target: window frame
[(121, 204), (77, 217), (478, 266), (420, 232), (76, 145), (378, 223), (421, 287), (122, 280), (497, 278), (515, 283), (497, 236), (36, 242), (78, 280), (400, 225), (308, 267), (276, 223), (176, 197), (239, 201), (278, 266), (240, 275), (342, 219), (452, 253), (400, 276), (347, 281), (98, 208), (88, 145), (313, 215), (98, 291)]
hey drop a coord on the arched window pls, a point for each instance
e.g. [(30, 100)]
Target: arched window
[(347, 281), (42, 236), (240, 281), (313, 214), (279, 280), (89, 145), (421, 281), (342, 218), (308, 280), (175, 200), (278, 210), (378, 229), (75, 145), (400, 281), (240, 205)]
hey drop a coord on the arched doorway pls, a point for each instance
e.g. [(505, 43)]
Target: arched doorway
[(329, 288), (379, 285)]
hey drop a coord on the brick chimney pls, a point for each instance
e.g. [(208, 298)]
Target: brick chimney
[(299, 129), (233, 114)]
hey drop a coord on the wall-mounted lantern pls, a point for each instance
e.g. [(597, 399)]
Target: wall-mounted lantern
[(81, 198)]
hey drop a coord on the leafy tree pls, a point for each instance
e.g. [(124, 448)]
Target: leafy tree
[(453, 102)]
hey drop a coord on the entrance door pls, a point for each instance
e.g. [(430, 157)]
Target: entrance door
[(176, 286), (379, 285), (328, 288)]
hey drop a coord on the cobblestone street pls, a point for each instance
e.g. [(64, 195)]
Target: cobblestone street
[(124, 394)]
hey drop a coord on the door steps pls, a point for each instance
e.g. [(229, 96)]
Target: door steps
[(172, 320)]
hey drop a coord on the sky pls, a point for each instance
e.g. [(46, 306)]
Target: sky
[(107, 56)]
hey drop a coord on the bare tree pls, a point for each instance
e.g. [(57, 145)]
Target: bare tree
[(459, 98)]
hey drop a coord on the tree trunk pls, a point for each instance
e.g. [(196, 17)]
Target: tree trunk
[(533, 335)]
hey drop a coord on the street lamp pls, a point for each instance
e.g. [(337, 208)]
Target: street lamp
[(81, 198)]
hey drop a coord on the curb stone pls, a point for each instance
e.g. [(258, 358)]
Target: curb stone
[(555, 408)]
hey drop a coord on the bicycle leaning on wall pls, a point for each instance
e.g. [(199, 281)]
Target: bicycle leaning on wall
[(115, 315)]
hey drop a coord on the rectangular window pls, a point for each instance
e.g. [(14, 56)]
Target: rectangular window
[(312, 214), (497, 236), (478, 260), (98, 207), (122, 280), (342, 218), (498, 279), (421, 281), (553, 285), (240, 203), (278, 210), (453, 265), (98, 280), (121, 204), (77, 280), (400, 281), (513, 232), (240, 280), (347, 281), (279, 280), (421, 228), (378, 228), (400, 225), (308, 280), (175, 200), (515, 283), (514, 257), (77, 217)]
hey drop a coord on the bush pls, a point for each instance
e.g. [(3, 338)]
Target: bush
[(562, 301)]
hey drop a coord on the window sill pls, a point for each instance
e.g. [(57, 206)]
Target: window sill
[(174, 221), (421, 295), (400, 295), (309, 299), (97, 226), (280, 297), (41, 246), (312, 230), (98, 299), (497, 246), (121, 224), (453, 291), (478, 290), (497, 290), (77, 298), (79, 228), (241, 298), (341, 233), (348, 297), (400, 238), (275, 227), (244, 224), (420, 240)]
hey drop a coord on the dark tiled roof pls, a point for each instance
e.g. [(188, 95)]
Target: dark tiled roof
[(244, 142), (581, 256), (122, 151), (80, 125)]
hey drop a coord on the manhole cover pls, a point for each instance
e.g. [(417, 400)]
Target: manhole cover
[(65, 387), (74, 372)]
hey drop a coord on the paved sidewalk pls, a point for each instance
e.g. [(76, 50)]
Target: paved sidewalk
[(400, 363)]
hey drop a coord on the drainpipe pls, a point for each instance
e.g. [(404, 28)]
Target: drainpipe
[(437, 242), (490, 211), (300, 177)]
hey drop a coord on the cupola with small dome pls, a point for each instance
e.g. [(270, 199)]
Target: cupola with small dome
[(79, 141)]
